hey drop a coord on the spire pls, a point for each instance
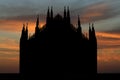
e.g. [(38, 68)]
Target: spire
[(27, 30), (48, 16), (23, 30), (68, 15), (23, 34), (79, 23), (64, 12), (93, 27), (37, 22), (94, 39), (79, 26), (92, 35), (93, 30), (37, 26), (89, 27), (48, 13), (90, 32), (51, 12), (68, 12)]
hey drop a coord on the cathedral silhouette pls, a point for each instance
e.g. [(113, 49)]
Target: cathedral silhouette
[(58, 49)]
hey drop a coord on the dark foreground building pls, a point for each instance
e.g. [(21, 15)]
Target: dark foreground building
[(58, 50)]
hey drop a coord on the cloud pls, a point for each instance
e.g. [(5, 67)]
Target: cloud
[(9, 55), (108, 35), (97, 11), (9, 42), (108, 40), (16, 26), (27, 17), (108, 57), (109, 54), (89, 12), (108, 60), (8, 47)]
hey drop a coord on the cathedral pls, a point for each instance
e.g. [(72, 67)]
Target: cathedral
[(58, 49)]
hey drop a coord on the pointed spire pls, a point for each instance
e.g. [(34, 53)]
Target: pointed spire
[(90, 32), (37, 22), (92, 35), (48, 13), (79, 23), (27, 30), (79, 29), (37, 26), (51, 12), (68, 12), (68, 16), (93, 30), (89, 27), (92, 27), (23, 34), (64, 12), (23, 29), (48, 17)]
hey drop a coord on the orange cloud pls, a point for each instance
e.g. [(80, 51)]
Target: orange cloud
[(108, 57), (9, 49), (108, 40), (108, 54), (108, 35), (16, 26), (14, 58), (93, 14), (9, 55), (10, 25), (8, 43)]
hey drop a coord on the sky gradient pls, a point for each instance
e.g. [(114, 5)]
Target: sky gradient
[(105, 14)]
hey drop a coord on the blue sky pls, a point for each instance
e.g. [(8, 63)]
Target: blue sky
[(108, 10)]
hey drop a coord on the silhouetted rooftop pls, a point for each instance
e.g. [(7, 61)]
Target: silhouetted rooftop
[(58, 17)]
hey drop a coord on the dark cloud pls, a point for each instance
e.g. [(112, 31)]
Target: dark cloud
[(26, 17), (114, 30), (93, 10), (97, 11)]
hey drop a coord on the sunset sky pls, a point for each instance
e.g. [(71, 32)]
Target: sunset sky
[(105, 14)]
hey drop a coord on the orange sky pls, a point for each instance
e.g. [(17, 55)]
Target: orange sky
[(108, 44), (16, 26), (108, 52)]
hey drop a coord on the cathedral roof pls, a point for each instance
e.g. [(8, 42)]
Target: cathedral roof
[(58, 17)]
